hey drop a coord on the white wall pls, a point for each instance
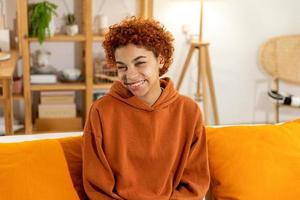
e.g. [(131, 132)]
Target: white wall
[(235, 30)]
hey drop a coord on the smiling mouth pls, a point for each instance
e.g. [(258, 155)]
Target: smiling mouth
[(135, 83)]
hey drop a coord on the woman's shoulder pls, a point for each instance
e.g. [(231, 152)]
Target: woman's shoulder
[(187, 100), (103, 102), (188, 105)]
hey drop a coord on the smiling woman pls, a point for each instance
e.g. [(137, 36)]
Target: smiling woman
[(139, 57), (143, 140), (138, 70), (149, 34)]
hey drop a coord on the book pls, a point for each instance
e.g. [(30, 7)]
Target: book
[(57, 110), (67, 99), (43, 78), (57, 97), (56, 93)]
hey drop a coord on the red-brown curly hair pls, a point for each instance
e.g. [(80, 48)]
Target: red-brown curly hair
[(147, 33)]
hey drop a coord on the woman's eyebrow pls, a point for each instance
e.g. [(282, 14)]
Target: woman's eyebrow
[(119, 62), (137, 58)]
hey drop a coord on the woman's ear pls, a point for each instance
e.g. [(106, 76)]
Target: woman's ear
[(161, 61)]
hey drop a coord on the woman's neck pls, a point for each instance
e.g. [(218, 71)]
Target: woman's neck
[(153, 95)]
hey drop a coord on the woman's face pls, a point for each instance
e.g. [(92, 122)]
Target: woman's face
[(138, 70)]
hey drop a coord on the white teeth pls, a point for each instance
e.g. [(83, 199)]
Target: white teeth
[(137, 84)]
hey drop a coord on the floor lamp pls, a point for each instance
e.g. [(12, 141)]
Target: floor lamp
[(146, 8), (204, 75)]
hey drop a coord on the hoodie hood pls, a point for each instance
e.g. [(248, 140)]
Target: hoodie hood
[(168, 96)]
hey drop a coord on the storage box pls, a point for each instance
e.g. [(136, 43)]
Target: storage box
[(57, 110), (43, 78), (59, 124)]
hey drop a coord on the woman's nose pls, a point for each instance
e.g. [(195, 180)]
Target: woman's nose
[(131, 73)]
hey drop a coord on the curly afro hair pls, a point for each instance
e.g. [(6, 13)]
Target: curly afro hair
[(147, 33)]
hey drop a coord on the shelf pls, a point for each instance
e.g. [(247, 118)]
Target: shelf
[(87, 39), (61, 38), (67, 38), (103, 86), (58, 86), (98, 38)]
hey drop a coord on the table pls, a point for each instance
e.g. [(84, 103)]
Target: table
[(7, 68)]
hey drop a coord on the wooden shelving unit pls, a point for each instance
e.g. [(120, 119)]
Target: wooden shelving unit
[(57, 87), (98, 38), (86, 37), (7, 69), (62, 38)]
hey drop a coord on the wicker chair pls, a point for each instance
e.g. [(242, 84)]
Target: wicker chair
[(280, 57)]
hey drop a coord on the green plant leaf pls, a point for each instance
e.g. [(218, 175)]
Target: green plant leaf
[(40, 15)]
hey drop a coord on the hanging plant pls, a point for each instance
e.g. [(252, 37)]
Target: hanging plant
[(40, 16)]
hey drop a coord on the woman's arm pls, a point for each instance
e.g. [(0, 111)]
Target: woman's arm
[(98, 178), (195, 179)]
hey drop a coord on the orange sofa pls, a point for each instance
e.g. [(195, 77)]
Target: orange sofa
[(247, 162)]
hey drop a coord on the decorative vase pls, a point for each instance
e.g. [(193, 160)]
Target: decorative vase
[(51, 28), (71, 29), (102, 24)]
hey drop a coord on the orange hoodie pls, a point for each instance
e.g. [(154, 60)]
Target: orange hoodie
[(139, 152)]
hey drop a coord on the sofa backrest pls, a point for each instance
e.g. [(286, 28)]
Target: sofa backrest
[(246, 162), (34, 167), (255, 162)]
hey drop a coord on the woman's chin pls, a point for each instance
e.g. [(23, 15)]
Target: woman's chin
[(138, 93), (138, 90)]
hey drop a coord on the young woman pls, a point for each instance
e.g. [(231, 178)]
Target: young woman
[(143, 140)]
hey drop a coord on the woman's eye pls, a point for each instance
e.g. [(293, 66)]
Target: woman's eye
[(140, 63), (121, 68)]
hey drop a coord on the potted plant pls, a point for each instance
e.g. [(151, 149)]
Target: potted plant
[(41, 20), (71, 27)]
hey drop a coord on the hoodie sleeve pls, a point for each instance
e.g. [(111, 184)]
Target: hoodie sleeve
[(98, 178), (194, 182)]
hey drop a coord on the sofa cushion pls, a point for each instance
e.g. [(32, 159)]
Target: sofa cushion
[(34, 170), (255, 162), (73, 154)]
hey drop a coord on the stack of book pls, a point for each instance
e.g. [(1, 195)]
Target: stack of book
[(60, 104), (57, 111)]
